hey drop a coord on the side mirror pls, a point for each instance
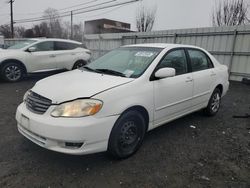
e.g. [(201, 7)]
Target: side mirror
[(165, 73), (31, 49)]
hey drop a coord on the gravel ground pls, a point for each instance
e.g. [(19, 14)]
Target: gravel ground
[(195, 151)]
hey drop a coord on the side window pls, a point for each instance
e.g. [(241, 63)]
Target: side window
[(61, 46), (73, 46), (65, 46), (44, 46), (83, 46), (177, 60), (199, 60)]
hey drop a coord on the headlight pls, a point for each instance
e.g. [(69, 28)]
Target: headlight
[(77, 108), (26, 95)]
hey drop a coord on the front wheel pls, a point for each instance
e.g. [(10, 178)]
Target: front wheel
[(214, 103), (12, 72), (127, 135)]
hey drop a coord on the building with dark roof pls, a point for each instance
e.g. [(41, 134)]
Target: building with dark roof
[(106, 26)]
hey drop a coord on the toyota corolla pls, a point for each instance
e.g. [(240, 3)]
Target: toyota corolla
[(111, 103)]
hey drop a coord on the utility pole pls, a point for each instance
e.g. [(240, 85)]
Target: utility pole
[(71, 24), (11, 18)]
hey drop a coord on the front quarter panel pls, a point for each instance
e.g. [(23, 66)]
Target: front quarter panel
[(15, 55), (119, 99)]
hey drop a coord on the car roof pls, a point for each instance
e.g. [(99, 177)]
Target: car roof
[(162, 45), (54, 39)]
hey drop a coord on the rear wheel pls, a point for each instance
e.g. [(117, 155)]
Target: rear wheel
[(12, 72), (127, 135), (79, 64), (214, 103)]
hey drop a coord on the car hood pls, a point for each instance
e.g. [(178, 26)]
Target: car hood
[(10, 50), (76, 84), (9, 53)]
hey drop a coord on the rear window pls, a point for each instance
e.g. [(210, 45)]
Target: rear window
[(66, 46)]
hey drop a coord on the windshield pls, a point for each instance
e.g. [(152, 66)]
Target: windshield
[(130, 62), (22, 44)]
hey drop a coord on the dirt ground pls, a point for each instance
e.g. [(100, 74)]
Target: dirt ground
[(214, 153)]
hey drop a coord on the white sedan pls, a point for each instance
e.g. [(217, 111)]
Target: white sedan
[(41, 55), (111, 103)]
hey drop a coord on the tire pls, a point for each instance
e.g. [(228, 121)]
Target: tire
[(79, 64), (12, 72), (214, 103), (127, 135)]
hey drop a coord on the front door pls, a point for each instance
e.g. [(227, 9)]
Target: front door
[(43, 58), (173, 96)]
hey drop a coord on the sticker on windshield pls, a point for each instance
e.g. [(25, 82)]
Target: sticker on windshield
[(128, 73), (144, 54)]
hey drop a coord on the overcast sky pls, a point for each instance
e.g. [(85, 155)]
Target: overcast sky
[(171, 14)]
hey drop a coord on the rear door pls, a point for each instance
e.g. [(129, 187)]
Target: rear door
[(66, 54), (203, 75), (173, 96)]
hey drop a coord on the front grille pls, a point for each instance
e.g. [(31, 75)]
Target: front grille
[(37, 103)]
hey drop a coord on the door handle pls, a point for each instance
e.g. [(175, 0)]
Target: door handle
[(52, 56), (73, 53), (213, 74), (189, 79)]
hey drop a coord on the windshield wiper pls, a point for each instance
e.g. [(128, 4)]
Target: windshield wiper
[(111, 72), (91, 70)]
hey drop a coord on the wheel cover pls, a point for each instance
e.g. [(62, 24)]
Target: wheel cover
[(128, 137), (13, 72), (215, 105)]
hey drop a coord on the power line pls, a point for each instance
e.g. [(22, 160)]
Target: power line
[(94, 5), (91, 10), (103, 13), (63, 14), (36, 13), (77, 5)]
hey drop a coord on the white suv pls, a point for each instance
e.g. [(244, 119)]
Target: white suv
[(41, 55)]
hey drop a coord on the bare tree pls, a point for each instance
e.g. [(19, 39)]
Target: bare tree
[(44, 30), (19, 32), (78, 32), (54, 22), (230, 13), (66, 29), (5, 31), (29, 33), (145, 18)]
